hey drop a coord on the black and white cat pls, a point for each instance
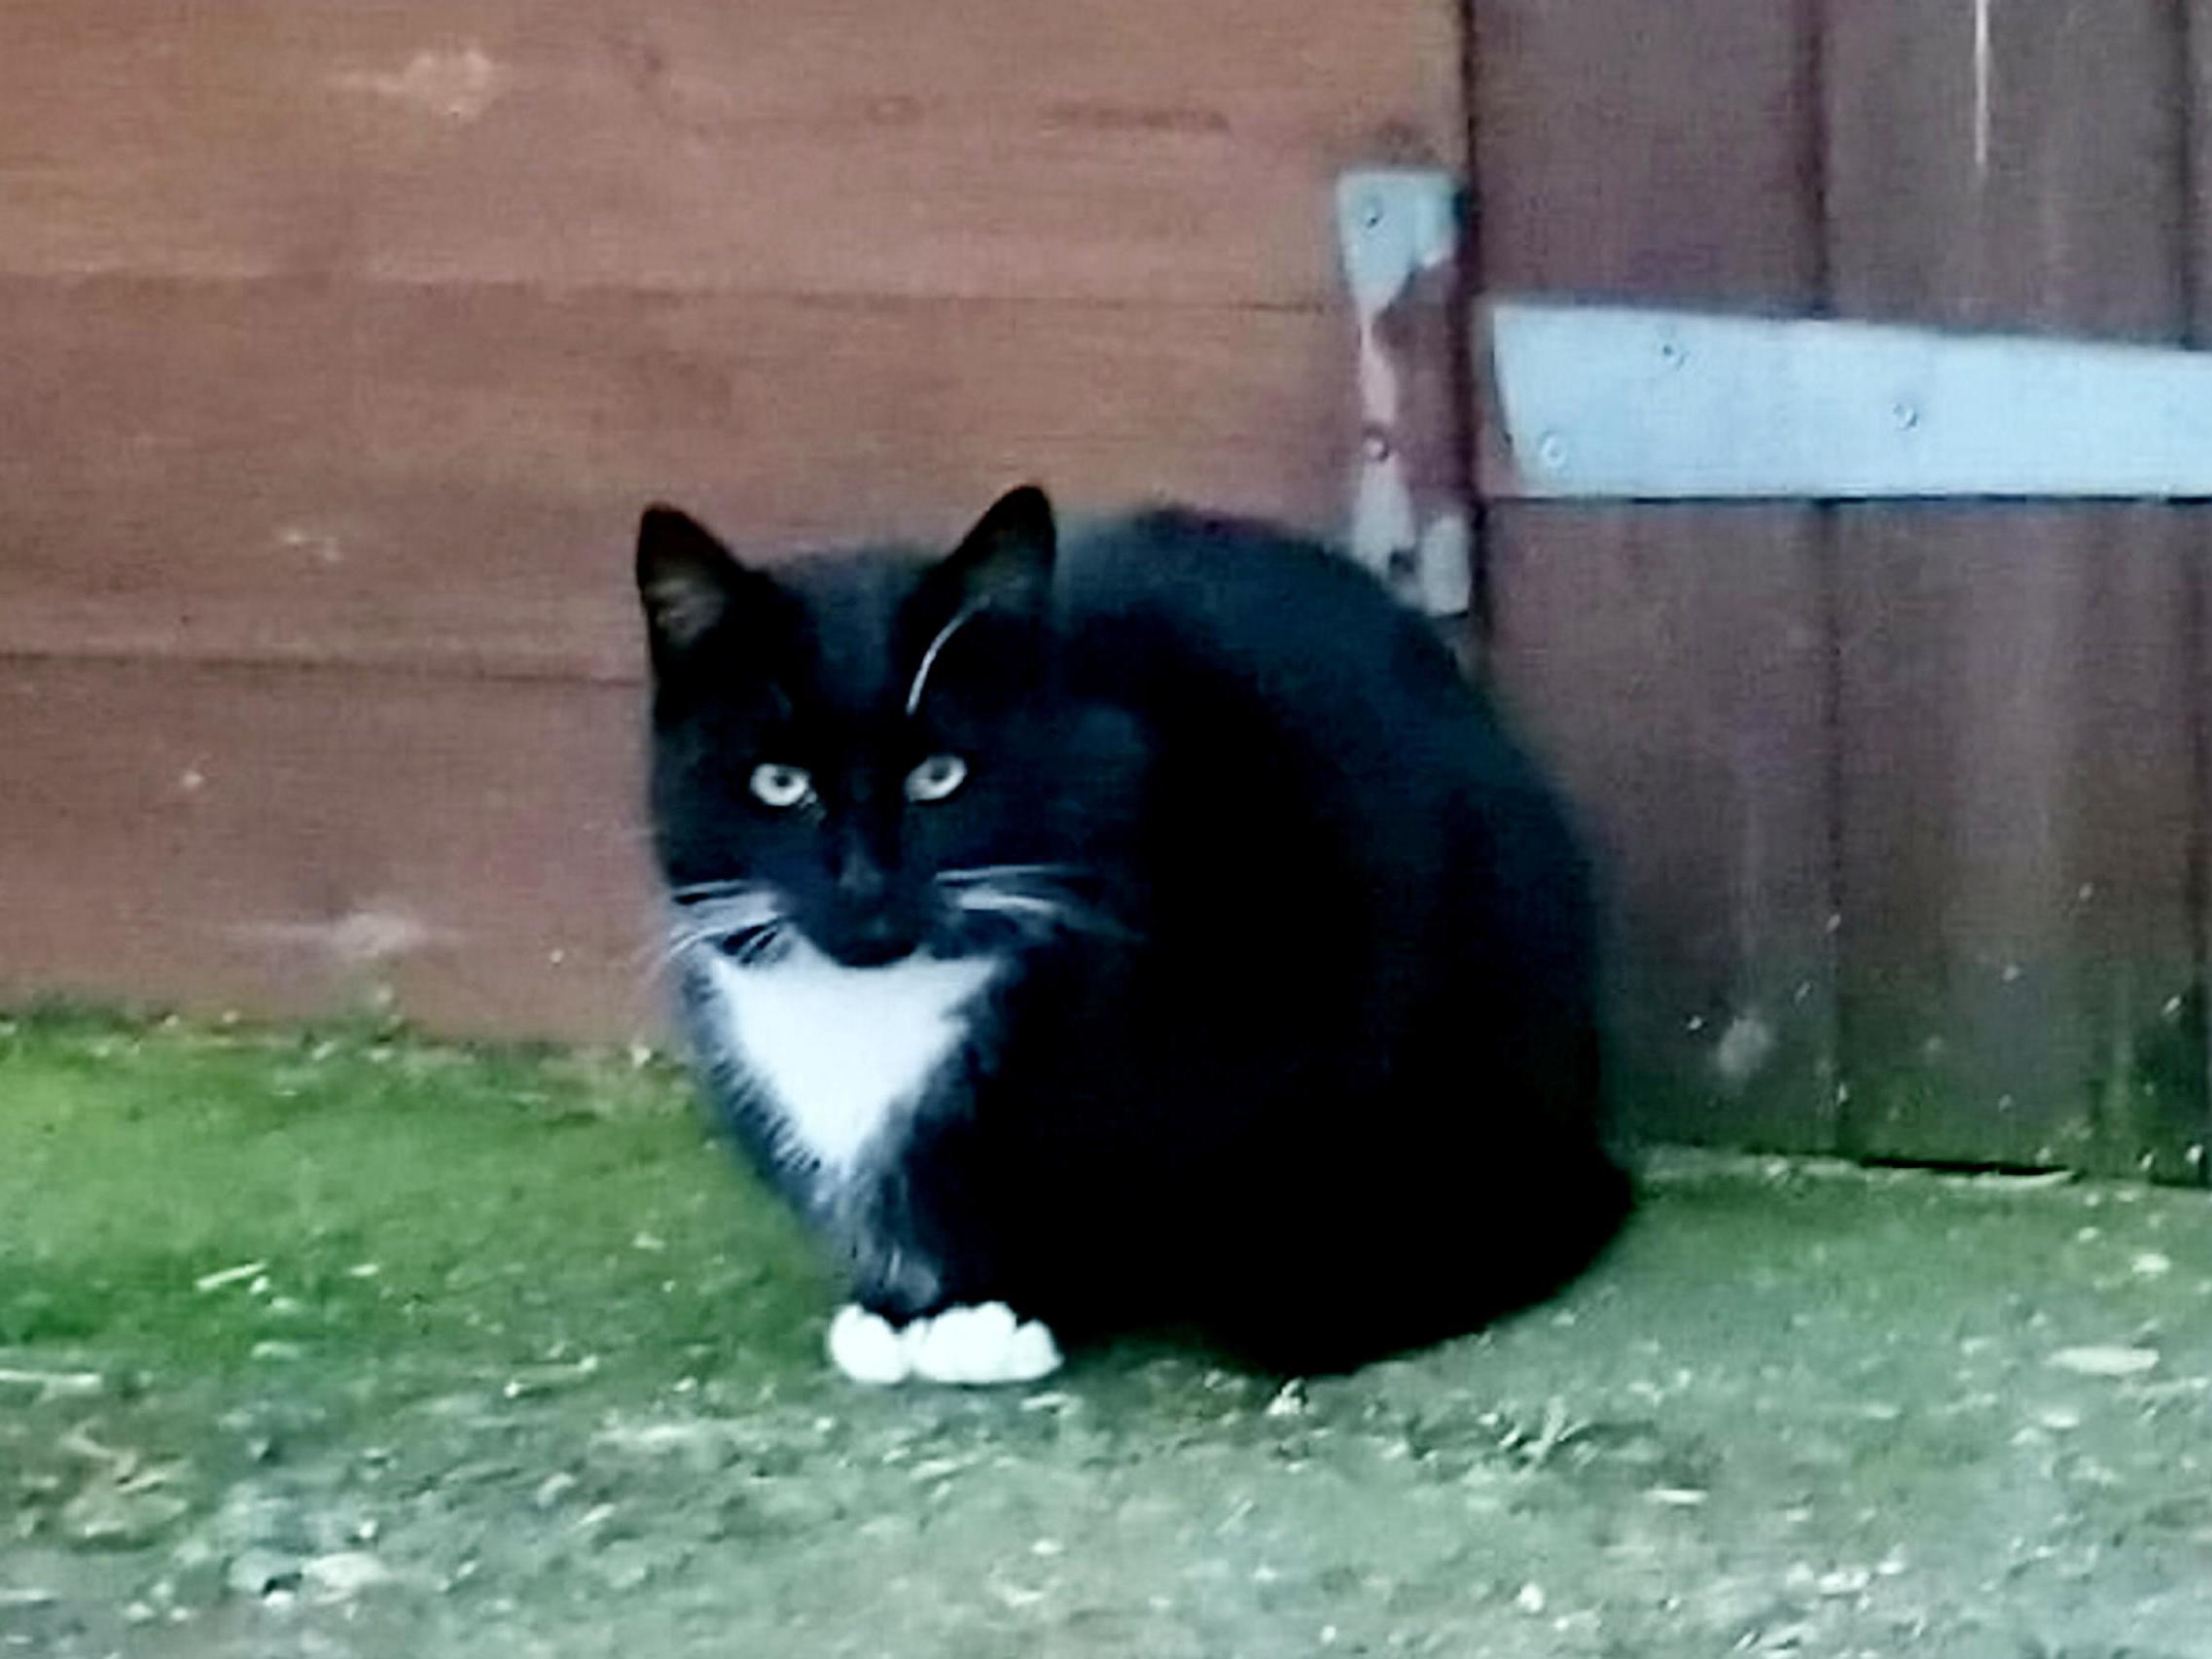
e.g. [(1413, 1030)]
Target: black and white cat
[(1155, 931)]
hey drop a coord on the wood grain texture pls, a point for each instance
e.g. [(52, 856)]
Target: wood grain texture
[(2019, 690), (1148, 150), (358, 473), (339, 346), (2195, 23), (305, 842), (2033, 184), (1629, 150), (2018, 943), (1671, 662)]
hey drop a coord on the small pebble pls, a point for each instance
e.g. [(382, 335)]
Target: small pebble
[(2106, 1361)]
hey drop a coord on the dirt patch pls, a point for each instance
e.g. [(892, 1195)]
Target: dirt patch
[(335, 1346)]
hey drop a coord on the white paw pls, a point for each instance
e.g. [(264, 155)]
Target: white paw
[(866, 1349), (979, 1345)]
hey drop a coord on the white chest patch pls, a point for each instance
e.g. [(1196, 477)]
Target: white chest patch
[(840, 1049)]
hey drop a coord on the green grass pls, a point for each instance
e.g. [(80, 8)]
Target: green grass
[(400, 1197), (514, 1327)]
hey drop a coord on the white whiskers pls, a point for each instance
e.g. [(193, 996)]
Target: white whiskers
[(750, 923), (1039, 899), (1004, 873), (744, 920)]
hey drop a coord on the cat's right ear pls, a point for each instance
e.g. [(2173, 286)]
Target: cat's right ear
[(687, 582), (1005, 563)]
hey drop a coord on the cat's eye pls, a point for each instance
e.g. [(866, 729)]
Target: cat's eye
[(936, 777), (781, 787)]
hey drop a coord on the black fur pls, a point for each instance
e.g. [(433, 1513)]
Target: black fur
[(1300, 1044)]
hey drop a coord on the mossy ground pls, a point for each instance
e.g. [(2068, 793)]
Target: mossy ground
[(335, 1343)]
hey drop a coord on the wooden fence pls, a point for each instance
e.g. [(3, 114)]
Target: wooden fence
[(339, 344), (1905, 803)]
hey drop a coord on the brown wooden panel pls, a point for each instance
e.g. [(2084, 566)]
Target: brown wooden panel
[(375, 473), (2019, 943), (305, 843), (1145, 150), (2019, 805), (1670, 661), (2036, 181), (1631, 149), (1672, 664), (2196, 24), (1625, 150)]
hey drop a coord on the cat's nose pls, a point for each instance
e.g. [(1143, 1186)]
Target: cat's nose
[(860, 878), (872, 942)]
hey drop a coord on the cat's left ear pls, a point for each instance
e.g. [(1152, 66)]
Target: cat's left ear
[(1005, 564)]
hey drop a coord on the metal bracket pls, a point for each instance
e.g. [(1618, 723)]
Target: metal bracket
[(1604, 401), (1398, 230)]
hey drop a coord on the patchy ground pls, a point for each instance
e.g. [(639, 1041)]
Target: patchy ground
[(335, 1345)]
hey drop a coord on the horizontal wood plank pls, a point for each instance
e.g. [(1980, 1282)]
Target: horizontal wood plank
[(307, 842), (367, 473), (1148, 150)]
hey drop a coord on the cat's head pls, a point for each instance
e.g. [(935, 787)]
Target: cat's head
[(875, 750)]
